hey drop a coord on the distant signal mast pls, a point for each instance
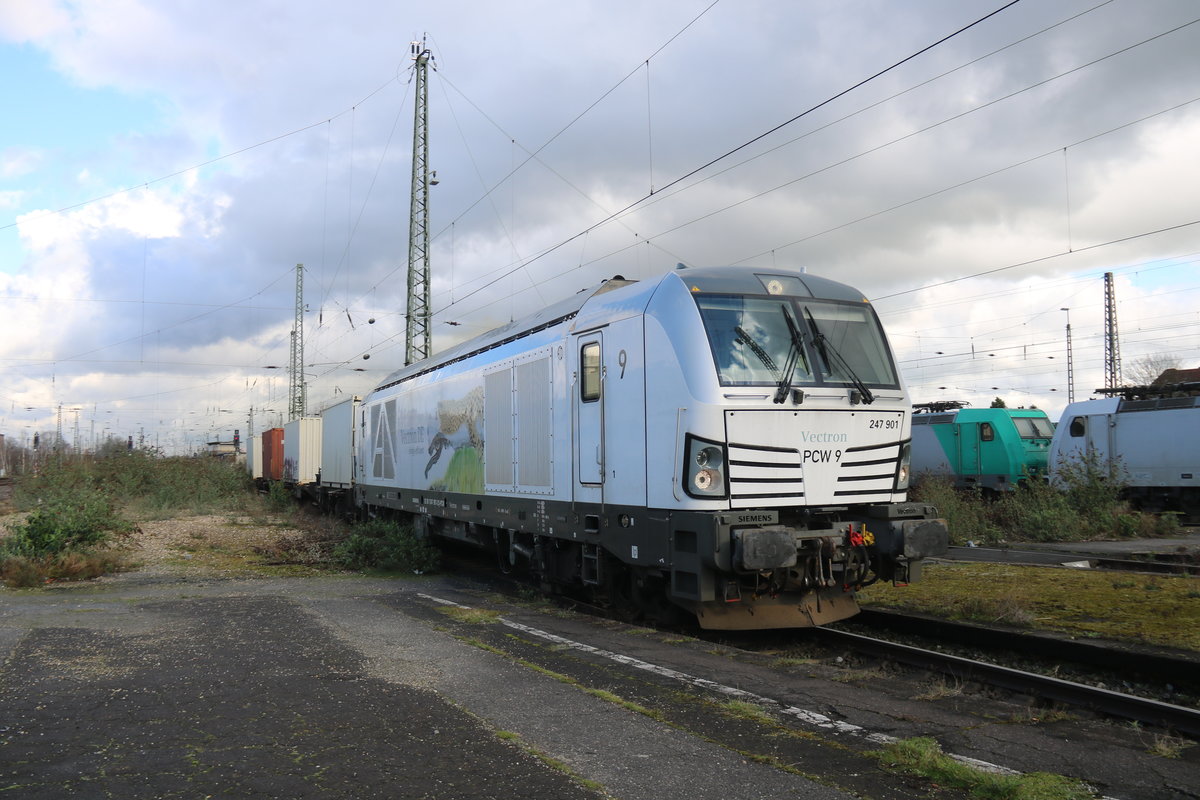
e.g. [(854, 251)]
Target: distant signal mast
[(417, 328)]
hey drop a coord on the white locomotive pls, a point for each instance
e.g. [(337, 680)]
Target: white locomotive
[(1150, 439), (733, 442)]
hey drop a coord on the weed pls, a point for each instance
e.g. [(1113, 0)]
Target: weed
[(279, 499), (747, 711), (1006, 608), (1085, 501), (858, 677), (1165, 746), (789, 661), (923, 756), (941, 690), (471, 616), (1033, 715), (383, 544), (966, 513)]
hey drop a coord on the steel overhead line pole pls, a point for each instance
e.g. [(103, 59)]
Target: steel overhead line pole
[(1070, 361), (1112, 344), (297, 401), (417, 331)]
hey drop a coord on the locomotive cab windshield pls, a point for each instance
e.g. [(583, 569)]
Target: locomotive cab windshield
[(796, 341)]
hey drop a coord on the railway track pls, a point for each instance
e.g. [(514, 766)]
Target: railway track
[(1184, 563), (1177, 669), (1179, 719), (1093, 658)]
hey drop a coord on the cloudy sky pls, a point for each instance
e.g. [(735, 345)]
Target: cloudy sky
[(165, 165)]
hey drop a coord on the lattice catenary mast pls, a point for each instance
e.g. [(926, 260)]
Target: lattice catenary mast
[(417, 332), (1112, 344), (297, 400)]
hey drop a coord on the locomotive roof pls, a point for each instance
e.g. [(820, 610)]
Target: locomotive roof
[(749, 280), (550, 315), (715, 280)]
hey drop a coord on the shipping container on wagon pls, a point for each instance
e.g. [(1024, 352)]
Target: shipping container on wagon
[(272, 454), (254, 459), (338, 444), (301, 450)]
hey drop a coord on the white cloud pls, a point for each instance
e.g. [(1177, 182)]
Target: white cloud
[(196, 270), (33, 20), (16, 162)]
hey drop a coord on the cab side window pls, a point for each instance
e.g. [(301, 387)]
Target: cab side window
[(986, 432), (589, 370), (1078, 427)]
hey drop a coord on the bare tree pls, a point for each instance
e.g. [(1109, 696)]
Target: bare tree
[(1143, 370)]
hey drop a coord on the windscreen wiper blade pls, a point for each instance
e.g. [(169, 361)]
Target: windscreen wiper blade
[(795, 353), (827, 349)]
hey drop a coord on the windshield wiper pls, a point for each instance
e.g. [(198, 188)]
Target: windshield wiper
[(827, 349), (756, 348), (795, 353)]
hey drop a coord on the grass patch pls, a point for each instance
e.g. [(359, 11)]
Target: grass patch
[(924, 757), (751, 712), (471, 616), (1163, 612)]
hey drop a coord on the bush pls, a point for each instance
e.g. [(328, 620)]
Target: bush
[(279, 499), (75, 509), (59, 526), (1091, 484), (384, 544), (1084, 504), (966, 512), (1037, 512)]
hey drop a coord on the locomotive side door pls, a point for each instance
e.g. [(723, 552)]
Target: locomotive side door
[(968, 449), (588, 405)]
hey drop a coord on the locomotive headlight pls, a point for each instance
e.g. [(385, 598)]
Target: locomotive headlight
[(704, 468), (902, 472), (707, 480)]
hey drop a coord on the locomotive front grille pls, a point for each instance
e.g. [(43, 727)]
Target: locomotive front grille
[(802, 457), (868, 473), (760, 474)]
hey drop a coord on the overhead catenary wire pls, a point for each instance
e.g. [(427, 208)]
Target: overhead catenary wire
[(748, 143)]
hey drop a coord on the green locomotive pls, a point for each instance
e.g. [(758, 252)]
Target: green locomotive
[(994, 449)]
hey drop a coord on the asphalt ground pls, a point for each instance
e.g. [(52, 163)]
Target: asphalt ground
[(313, 688), (159, 685)]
